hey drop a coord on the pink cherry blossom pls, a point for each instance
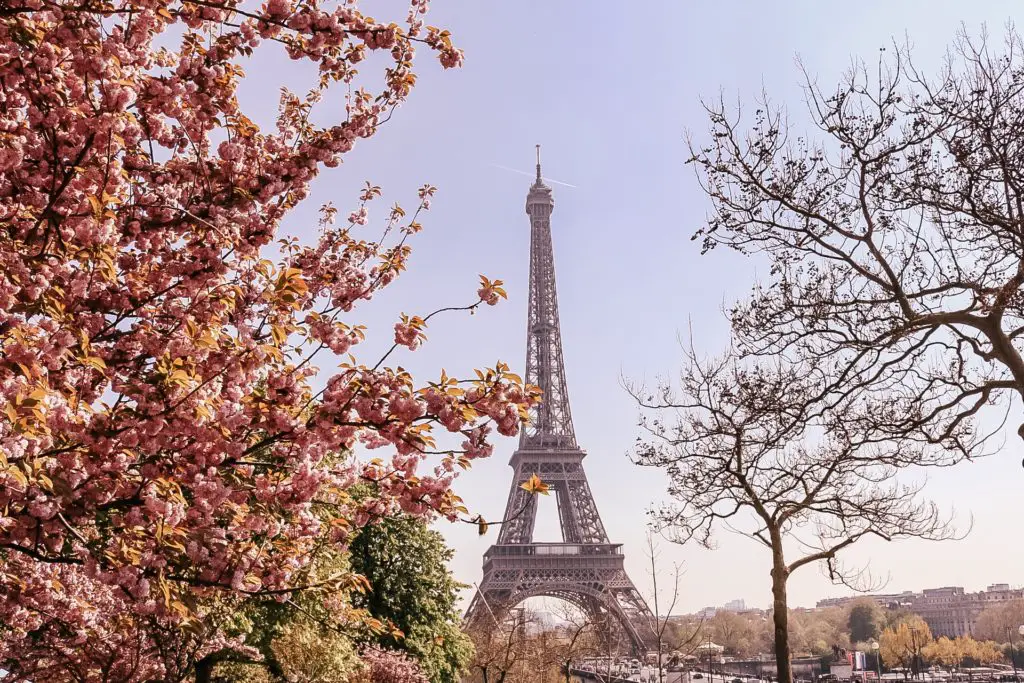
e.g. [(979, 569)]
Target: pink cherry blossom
[(408, 334), (165, 426)]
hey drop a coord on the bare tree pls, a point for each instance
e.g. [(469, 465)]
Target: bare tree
[(581, 637), (1001, 623), (683, 637), (660, 621), (790, 455), (612, 647), (896, 239), (502, 649)]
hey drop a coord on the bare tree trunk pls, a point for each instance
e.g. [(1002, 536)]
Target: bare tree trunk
[(780, 614)]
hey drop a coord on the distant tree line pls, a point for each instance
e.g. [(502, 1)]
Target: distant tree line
[(900, 633)]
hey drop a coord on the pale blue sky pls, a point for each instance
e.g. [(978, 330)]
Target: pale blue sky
[(608, 89)]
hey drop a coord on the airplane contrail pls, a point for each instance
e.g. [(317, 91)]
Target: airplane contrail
[(550, 180)]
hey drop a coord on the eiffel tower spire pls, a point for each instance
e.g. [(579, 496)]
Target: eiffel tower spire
[(551, 422)]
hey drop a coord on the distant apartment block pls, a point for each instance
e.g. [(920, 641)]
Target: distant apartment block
[(948, 611), (738, 606)]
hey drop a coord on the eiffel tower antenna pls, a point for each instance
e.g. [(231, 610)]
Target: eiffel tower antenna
[(585, 568)]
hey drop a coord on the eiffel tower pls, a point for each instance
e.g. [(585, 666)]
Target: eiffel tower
[(584, 569)]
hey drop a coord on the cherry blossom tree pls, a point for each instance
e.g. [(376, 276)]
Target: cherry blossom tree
[(167, 440)]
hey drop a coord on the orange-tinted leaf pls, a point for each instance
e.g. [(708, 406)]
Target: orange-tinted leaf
[(94, 362), (535, 485), (279, 333), (97, 207)]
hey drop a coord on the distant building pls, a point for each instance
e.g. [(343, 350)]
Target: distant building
[(948, 611), (738, 605), (953, 612)]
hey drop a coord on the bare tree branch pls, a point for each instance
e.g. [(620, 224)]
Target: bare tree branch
[(896, 238)]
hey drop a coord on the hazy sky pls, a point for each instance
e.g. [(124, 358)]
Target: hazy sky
[(610, 89)]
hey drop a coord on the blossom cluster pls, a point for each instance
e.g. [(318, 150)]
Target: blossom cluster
[(162, 438)]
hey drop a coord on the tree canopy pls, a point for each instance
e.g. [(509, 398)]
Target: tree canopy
[(1002, 623), (903, 643), (955, 652), (865, 620), (412, 590)]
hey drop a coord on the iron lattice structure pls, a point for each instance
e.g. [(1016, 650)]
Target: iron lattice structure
[(584, 569)]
